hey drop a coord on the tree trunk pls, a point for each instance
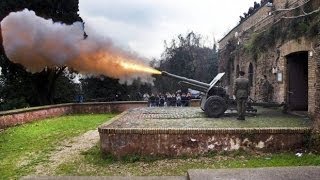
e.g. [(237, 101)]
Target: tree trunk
[(44, 84)]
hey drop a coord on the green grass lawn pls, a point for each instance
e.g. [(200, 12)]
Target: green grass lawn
[(94, 163), (23, 147)]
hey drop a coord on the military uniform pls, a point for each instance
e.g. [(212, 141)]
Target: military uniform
[(241, 91)]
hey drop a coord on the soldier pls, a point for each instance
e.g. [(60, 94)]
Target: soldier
[(241, 92), (266, 89)]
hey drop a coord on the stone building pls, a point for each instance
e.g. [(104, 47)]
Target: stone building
[(279, 40)]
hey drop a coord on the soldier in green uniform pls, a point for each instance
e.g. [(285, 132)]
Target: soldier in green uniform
[(241, 92), (266, 89)]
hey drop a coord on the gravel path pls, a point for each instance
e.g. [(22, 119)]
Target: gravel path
[(68, 150)]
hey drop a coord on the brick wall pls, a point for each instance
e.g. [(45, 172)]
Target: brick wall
[(261, 20), (275, 56), (251, 21), (299, 45), (317, 87), (280, 4), (21, 116), (192, 142)]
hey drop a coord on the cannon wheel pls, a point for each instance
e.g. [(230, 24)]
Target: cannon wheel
[(215, 106)]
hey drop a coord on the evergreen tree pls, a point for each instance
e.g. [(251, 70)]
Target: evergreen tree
[(24, 88)]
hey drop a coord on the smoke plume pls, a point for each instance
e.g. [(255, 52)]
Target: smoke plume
[(37, 43)]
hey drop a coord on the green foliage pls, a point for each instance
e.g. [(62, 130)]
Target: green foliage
[(24, 147), (14, 103), (17, 90), (291, 29), (63, 11), (65, 89), (103, 88), (189, 57), (22, 88), (254, 46)]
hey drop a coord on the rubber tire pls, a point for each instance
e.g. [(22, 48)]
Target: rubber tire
[(215, 106)]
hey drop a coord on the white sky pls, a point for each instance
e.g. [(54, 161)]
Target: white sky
[(143, 25)]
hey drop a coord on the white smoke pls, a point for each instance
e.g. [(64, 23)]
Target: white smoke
[(37, 43)]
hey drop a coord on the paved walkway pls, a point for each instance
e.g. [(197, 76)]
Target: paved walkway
[(275, 173), (194, 117)]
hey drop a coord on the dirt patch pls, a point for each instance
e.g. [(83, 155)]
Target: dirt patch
[(68, 150)]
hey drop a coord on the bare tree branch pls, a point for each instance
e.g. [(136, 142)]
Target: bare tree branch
[(302, 15)]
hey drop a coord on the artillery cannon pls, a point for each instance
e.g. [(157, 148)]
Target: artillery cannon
[(215, 101)]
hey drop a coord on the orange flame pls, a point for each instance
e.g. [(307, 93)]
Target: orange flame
[(138, 67)]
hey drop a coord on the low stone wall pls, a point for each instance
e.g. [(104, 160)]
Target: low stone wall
[(107, 107), (186, 142), (21, 116)]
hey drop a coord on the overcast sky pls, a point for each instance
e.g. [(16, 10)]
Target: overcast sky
[(143, 25)]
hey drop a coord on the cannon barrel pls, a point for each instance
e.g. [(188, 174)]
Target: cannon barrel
[(191, 81), (193, 86)]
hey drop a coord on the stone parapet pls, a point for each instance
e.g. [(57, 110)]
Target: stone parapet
[(25, 115), (106, 130)]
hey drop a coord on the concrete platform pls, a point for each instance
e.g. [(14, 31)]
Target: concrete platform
[(194, 117), (177, 131)]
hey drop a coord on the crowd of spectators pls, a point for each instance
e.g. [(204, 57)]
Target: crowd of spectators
[(255, 7), (167, 99)]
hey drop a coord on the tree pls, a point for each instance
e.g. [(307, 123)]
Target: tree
[(189, 57), (38, 88), (103, 88)]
